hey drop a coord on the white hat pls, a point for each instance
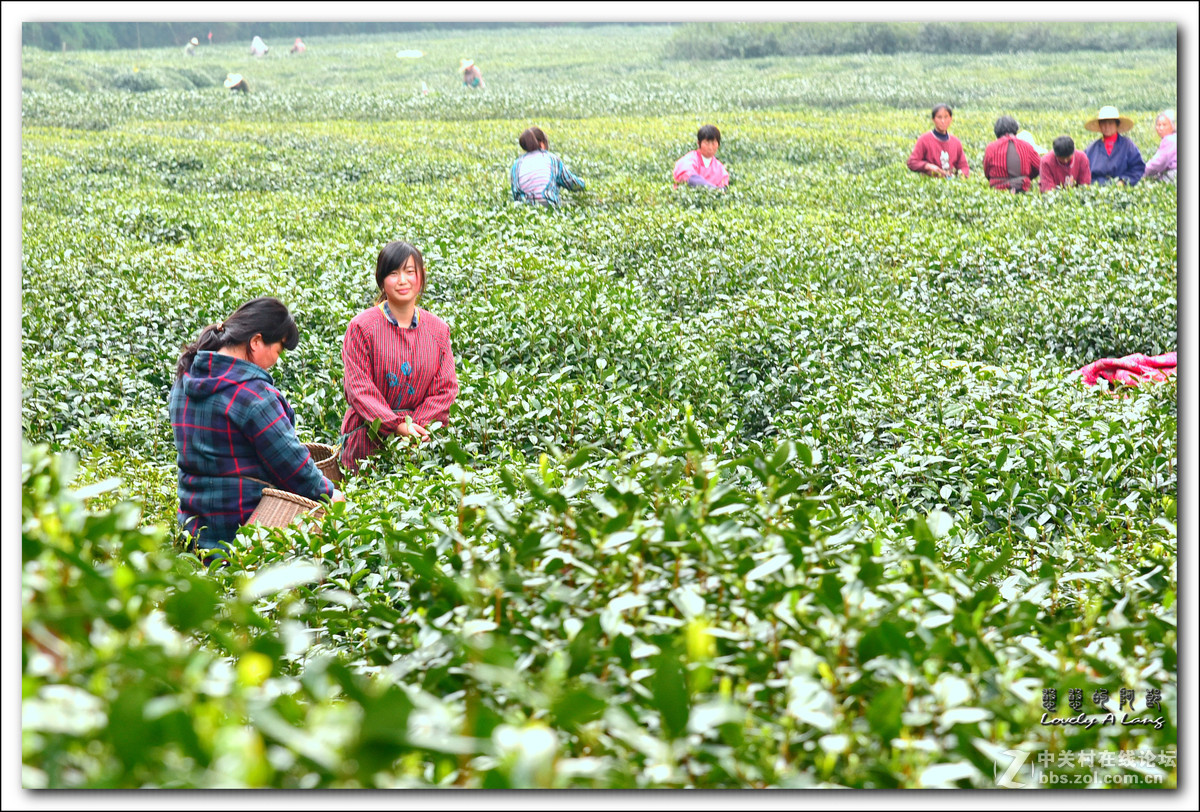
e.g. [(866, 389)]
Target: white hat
[(1024, 135), (194, 41), (463, 64), (1107, 112), (232, 79)]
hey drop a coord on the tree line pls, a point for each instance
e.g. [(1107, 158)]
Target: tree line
[(752, 40), (108, 36), (689, 41)]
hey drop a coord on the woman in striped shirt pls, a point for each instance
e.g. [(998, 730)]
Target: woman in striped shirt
[(398, 361), (537, 174)]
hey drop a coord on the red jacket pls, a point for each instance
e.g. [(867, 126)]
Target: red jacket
[(947, 154), (1055, 174), (995, 162)]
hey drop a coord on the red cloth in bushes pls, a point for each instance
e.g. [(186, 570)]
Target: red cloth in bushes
[(1130, 370)]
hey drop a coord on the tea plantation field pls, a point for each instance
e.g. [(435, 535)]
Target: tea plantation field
[(789, 486)]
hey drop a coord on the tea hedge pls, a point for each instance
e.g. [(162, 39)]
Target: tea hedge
[(788, 486)]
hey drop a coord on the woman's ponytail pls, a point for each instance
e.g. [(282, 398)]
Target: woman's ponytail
[(209, 339), (266, 315), (532, 139)]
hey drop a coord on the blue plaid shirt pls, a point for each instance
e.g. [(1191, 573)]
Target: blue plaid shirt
[(387, 314), (233, 426)]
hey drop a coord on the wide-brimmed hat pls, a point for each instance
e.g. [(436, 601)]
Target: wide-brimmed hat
[(463, 64), (1107, 112), (194, 41), (232, 79)]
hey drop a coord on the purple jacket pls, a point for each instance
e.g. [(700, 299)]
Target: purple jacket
[(1162, 165), (1125, 163)]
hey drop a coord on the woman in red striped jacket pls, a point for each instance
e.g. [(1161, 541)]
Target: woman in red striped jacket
[(398, 360)]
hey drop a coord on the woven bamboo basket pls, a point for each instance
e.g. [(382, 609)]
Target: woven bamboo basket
[(326, 458), (281, 508)]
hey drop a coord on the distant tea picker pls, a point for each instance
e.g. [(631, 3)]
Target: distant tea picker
[(1113, 157), (1010, 162), (1163, 165), (538, 174), (1130, 370), (700, 167), (1065, 167), (471, 77), (937, 153), (236, 83)]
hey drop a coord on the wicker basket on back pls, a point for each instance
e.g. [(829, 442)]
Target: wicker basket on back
[(281, 508), (326, 458)]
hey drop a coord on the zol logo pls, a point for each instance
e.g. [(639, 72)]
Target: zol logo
[(1006, 779)]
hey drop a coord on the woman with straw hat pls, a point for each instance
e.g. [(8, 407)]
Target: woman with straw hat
[(472, 78), (1113, 157), (1162, 165), (236, 83), (190, 48)]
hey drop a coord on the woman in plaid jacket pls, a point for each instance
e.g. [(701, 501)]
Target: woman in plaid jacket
[(234, 431)]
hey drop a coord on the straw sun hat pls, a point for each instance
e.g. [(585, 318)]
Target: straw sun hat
[(232, 79), (463, 64), (194, 41), (1124, 123)]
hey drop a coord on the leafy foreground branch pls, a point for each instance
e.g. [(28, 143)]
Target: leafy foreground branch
[(667, 620)]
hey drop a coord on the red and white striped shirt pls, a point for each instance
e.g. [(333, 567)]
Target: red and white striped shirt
[(394, 372), (995, 163)]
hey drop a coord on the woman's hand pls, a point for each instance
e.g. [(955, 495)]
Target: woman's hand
[(935, 171), (409, 429)]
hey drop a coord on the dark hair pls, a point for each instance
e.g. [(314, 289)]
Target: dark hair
[(708, 133), (942, 106), (266, 315), (1006, 125), (393, 256), (1064, 146), (532, 139)]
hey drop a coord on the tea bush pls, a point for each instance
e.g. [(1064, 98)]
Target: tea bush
[(790, 486)]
